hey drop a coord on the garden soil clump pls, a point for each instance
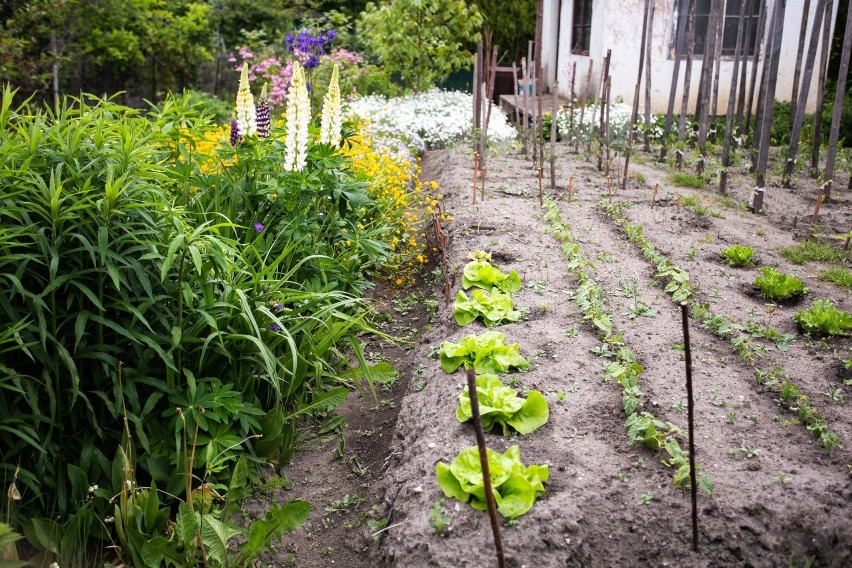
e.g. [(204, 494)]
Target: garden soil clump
[(779, 495)]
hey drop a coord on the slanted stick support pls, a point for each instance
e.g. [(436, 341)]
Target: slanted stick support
[(693, 481), (486, 474)]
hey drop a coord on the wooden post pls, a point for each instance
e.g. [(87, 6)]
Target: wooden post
[(515, 87), (802, 100), (744, 65), (758, 43), (570, 188), (553, 116), (732, 93), (540, 193), (539, 84), (586, 88), (706, 77), (654, 195), (717, 59), (486, 473), (820, 102), (834, 133), (690, 418), (635, 110), (648, 41), (573, 69), (524, 118), (820, 199), (687, 76), (475, 172), (797, 71), (678, 55), (756, 203), (769, 103), (604, 86)]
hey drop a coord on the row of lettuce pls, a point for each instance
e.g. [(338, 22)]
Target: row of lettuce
[(173, 305)]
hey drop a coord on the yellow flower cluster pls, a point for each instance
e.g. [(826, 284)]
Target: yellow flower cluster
[(405, 204), (203, 144)]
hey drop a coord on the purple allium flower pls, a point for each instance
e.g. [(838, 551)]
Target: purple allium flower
[(274, 327), (277, 307), (258, 227), (313, 61)]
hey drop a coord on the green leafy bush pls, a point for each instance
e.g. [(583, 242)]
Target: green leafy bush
[(485, 353), (499, 404), (147, 302), (823, 318), (494, 308), (482, 274), (779, 287), (515, 485), (738, 255)]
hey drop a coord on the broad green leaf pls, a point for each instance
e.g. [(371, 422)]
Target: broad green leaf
[(274, 523)]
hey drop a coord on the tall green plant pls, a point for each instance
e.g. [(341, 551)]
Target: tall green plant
[(421, 41)]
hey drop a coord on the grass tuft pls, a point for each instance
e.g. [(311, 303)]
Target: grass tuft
[(809, 251), (685, 179), (840, 276)]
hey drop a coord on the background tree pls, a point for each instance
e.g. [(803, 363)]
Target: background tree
[(423, 41), (512, 24)]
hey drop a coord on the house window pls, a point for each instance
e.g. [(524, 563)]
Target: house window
[(581, 31), (731, 21)]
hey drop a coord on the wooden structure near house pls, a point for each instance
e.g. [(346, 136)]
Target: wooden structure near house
[(582, 31)]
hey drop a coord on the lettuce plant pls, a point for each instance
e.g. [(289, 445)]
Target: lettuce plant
[(515, 485), (494, 308), (483, 274), (823, 318), (486, 353), (778, 286), (499, 404), (738, 255)]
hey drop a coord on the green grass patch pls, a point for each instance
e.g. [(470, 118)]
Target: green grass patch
[(685, 179), (809, 251), (840, 276)]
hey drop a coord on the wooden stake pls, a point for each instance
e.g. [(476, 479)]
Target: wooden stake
[(475, 171), (654, 196), (486, 473), (540, 195), (609, 187), (570, 188), (819, 200), (553, 116), (693, 481), (482, 171)]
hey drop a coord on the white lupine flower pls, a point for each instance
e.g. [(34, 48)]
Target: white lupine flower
[(298, 117), (434, 117), (246, 118), (331, 114)]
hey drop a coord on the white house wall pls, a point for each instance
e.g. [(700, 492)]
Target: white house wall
[(617, 25)]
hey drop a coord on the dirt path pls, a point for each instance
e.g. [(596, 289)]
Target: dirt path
[(791, 499)]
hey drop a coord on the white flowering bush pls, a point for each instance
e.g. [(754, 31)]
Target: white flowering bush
[(619, 123), (429, 120)]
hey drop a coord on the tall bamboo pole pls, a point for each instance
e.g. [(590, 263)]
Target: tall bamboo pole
[(648, 41), (717, 59), (758, 43), (687, 75), (604, 86), (802, 99), (797, 72), (769, 104), (729, 115), (834, 133), (744, 67), (635, 111), (827, 20), (707, 64), (678, 55), (764, 84)]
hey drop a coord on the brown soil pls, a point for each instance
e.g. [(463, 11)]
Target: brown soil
[(791, 500)]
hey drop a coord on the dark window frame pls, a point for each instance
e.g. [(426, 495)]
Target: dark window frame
[(729, 39), (581, 27)]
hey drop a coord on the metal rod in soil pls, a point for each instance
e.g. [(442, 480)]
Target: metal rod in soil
[(693, 482), (486, 474)]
